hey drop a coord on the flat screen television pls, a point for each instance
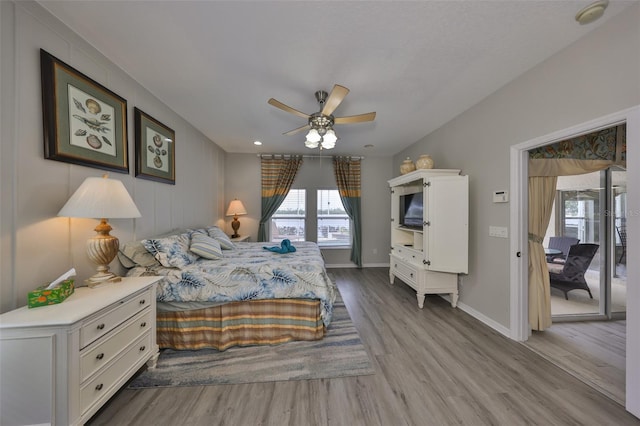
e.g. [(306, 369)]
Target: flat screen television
[(411, 208)]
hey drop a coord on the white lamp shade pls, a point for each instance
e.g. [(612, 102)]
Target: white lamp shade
[(313, 136), (311, 144), (330, 137), (236, 208), (100, 198), (328, 145)]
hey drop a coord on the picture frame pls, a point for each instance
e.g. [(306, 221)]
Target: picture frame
[(155, 149), (84, 122)]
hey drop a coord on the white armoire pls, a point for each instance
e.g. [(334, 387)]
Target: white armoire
[(428, 256)]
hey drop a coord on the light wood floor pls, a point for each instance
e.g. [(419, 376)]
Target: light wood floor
[(436, 366), (593, 351)]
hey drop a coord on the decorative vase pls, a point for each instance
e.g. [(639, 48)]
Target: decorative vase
[(424, 162), (407, 166)]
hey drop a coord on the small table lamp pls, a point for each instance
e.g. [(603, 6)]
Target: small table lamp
[(101, 198), (236, 208)]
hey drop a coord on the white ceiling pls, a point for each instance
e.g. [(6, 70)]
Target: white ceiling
[(417, 64)]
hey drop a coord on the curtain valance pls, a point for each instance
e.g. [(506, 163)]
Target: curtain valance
[(582, 154)]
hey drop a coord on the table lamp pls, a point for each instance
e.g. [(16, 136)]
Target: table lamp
[(236, 208), (101, 198)]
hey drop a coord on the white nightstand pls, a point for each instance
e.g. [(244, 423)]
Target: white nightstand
[(62, 362), (245, 238)]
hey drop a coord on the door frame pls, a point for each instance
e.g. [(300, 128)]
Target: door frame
[(519, 297)]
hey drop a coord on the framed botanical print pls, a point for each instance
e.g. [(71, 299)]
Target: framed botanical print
[(84, 122), (155, 149)]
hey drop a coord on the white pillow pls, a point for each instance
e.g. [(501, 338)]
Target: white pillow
[(205, 246)]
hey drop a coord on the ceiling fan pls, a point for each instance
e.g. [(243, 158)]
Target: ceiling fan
[(320, 124)]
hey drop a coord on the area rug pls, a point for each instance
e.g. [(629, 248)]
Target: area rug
[(340, 354)]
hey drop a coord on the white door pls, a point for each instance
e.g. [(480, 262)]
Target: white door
[(446, 234)]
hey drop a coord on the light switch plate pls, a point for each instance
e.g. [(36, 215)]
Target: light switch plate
[(498, 231)]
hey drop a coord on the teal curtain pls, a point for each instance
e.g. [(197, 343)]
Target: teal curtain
[(347, 172), (278, 175)]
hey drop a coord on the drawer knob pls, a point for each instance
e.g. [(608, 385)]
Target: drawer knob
[(142, 302), (100, 326), (142, 348), (99, 356), (99, 387), (144, 324)]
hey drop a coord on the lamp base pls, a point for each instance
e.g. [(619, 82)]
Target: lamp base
[(102, 249), (235, 225)]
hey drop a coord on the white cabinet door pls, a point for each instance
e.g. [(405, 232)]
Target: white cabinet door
[(447, 215)]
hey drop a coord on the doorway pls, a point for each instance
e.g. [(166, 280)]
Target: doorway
[(588, 334), (519, 328)]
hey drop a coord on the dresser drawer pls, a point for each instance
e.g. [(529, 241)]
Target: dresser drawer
[(407, 253), (101, 385), (103, 351), (99, 325), (408, 273)]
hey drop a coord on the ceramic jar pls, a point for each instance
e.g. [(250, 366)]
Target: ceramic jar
[(407, 166), (424, 162)]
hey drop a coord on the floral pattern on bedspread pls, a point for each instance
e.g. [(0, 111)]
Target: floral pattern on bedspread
[(249, 272)]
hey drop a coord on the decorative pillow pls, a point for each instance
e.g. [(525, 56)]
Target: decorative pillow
[(133, 253), (223, 239), (205, 246), (171, 251)]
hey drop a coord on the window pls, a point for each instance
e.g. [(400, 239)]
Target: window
[(288, 222), (334, 226)]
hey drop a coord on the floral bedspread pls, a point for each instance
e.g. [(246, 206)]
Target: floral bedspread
[(249, 272)]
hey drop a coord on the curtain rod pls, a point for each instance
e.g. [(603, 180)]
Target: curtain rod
[(355, 157)]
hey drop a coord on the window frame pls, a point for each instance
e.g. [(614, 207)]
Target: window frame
[(349, 239)]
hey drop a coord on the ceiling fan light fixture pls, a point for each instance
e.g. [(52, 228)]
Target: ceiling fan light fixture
[(311, 144), (330, 136), (321, 123), (328, 144), (313, 136)]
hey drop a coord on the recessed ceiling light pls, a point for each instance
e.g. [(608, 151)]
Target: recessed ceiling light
[(592, 12), (257, 143)]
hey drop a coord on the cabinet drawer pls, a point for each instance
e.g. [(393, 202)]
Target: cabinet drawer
[(101, 385), (107, 321), (408, 273), (407, 253), (99, 354)]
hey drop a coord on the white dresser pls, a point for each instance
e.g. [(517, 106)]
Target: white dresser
[(59, 364)]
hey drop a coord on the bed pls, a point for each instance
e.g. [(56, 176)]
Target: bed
[(218, 294)]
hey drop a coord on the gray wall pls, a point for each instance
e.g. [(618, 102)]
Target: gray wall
[(243, 182), (596, 76), (36, 246)]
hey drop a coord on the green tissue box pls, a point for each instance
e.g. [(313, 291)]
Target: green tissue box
[(43, 297)]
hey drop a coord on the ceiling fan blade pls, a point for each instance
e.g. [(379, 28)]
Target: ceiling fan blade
[(299, 129), (335, 97), (360, 118), (287, 108)]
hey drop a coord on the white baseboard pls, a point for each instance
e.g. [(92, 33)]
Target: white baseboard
[(481, 317)]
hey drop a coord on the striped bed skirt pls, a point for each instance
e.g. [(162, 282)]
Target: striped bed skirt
[(247, 323)]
